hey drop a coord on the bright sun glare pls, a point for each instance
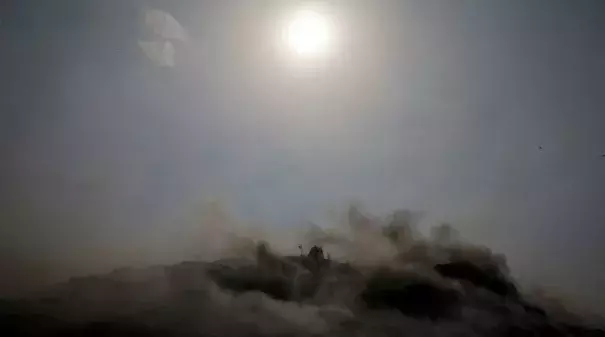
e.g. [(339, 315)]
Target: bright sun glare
[(309, 33)]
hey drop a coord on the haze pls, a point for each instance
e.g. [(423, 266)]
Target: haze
[(487, 115)]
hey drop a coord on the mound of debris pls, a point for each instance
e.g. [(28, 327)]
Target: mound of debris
[(410, 294), (433, 288)]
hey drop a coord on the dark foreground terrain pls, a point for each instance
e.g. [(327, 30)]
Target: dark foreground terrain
[(425, 289)]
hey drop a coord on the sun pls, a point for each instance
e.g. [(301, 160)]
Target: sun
[(309, 33)]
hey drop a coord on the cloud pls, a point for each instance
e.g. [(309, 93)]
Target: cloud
[(164, 31), (163, 25), (161, 53)]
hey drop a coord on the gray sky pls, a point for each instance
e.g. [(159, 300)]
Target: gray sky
[(438, 106)]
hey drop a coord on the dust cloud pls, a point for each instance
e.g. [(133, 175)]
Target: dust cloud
[(363, 276)]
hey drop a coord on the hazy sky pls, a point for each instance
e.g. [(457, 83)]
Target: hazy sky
[(438, 106)]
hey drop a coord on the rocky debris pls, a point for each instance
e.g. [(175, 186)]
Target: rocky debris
[(307, 295)]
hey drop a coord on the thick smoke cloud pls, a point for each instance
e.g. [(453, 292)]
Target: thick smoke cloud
[(376, 277)]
